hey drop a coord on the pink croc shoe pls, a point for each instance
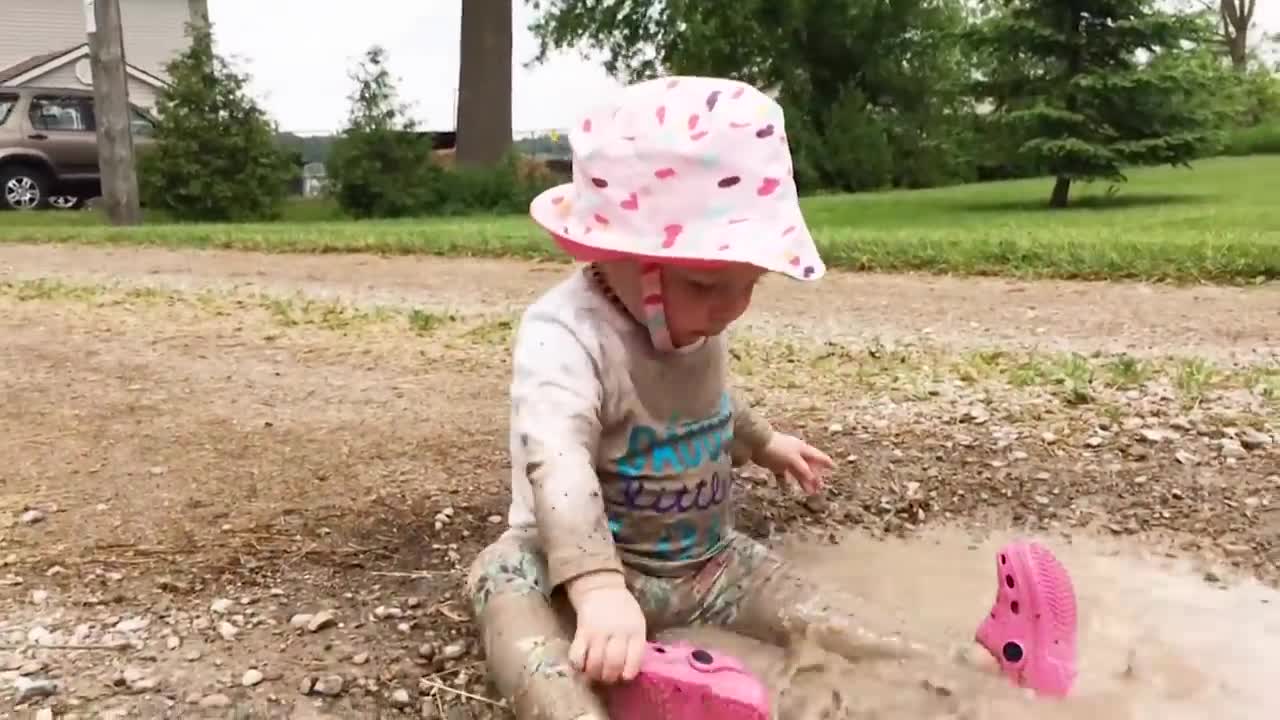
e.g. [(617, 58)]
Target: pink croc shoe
[(1031, 631), (682, 682)]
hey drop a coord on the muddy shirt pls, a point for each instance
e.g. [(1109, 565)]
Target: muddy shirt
[(620, 454)]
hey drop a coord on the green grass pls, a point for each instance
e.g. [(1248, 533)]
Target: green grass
[(1216, 222)]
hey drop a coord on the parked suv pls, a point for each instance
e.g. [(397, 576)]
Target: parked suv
[(49, 146)]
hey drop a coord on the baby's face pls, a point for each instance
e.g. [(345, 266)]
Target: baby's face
[(702, 303)]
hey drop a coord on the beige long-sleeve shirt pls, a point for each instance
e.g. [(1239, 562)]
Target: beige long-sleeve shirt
[(621, 454)]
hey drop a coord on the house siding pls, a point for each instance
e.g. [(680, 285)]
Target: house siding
[(154, 30), (140, 93)]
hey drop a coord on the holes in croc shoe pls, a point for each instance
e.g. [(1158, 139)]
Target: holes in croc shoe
[(1014, 607), (702, 657), (1012, 652), (659, 649), (1008, 580), (1004, 560)]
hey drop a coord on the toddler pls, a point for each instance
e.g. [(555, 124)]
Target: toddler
[(624, 432)]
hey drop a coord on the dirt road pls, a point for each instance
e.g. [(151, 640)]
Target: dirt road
[(187, 472)]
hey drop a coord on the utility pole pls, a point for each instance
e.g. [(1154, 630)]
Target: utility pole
[(111, 110)]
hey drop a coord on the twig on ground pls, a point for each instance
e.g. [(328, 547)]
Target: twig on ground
[(118, 647), (418, 574), (463, 693)]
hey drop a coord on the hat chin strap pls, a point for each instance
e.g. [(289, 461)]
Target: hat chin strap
[(655, 314)]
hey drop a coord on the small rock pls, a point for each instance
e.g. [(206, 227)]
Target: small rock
[(495, 519), (1233, 450), (360, 658), (835, 428), (1094, 441), (191, 655), (1253, 440), (308, 682), (215, 700), (1186, 458), (1212, 577), (31, 517), (32, 667), (157, 470), (382, 612), (1048, 438), (427, 651), (328, 685), (1018, 455), (1181, 424), (1236, 550), (1153, 435), (221, 606), (1042, 476), (39, 597), (321, 620), (400, 698), (173, 642), (251, 677), (28, 689), (300, 620), (453, 651), (228, 631), (133, 624)]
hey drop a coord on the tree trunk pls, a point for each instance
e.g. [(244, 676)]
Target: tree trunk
[(119, 177), (483, 117), (1237, 18), (1061, 192)]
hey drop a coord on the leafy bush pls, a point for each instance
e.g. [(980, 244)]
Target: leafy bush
[(380, 166), (1259, 140), (215, 157)]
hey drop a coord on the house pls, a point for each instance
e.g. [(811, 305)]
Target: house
[(44, 43)]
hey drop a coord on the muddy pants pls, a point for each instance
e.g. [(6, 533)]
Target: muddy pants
[(746, 588)]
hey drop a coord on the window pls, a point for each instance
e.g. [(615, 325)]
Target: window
[(140, 124), (7, 103), (62, 114)]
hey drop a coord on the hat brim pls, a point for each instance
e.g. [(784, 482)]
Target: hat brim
[(603, 244)]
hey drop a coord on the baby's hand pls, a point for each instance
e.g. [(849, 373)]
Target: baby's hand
[(789, 455), (610, 638)]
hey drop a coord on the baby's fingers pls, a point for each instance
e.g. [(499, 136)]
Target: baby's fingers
[(636, 647)]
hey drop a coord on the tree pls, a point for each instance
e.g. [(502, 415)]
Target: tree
[(214, 156), (484, 83), (1237, 19), (1088, 88), (893, 70), (380, 165)]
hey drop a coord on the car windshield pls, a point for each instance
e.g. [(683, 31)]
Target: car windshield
[(6, 106)]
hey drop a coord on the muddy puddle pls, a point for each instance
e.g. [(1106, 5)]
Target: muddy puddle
[(1157, 640)]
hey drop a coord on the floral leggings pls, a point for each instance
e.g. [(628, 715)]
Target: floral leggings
[(527, 629)]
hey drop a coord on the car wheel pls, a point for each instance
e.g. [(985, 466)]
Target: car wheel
[(23, 188), (65, 202)]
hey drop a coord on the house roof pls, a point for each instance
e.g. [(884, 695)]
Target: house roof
[(32, 63), (37, 65)]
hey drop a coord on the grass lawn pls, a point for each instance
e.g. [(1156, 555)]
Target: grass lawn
[(1218, 222)]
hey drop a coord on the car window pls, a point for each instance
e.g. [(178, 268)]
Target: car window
[(7, 103), (69, 114), (139, 124)]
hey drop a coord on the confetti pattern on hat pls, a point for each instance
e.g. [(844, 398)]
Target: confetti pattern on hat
[(683, 170)]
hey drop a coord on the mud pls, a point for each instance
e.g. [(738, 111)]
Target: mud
[(1157, 639)]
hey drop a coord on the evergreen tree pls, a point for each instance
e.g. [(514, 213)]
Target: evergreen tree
[(381, 166), (1089, 87), (215, 156)]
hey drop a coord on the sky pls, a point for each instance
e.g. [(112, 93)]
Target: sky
[(299, 53)]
